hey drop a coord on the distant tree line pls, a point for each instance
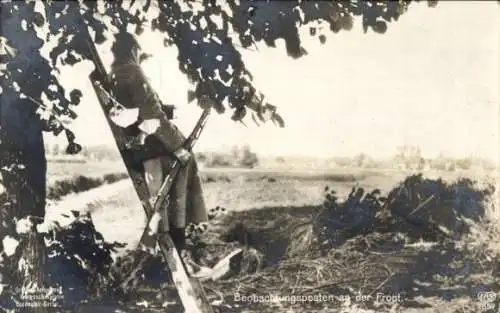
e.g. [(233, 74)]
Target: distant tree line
[(410, 158), (241, 157), (90, 153), (237, 156)]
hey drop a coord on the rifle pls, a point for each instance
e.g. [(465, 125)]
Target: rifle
[(148, 238), (189, 289)]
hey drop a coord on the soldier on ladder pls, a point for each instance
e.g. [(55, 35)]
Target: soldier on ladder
[(153, 153)]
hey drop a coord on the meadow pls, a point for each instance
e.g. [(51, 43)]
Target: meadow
[(70, 169), (283, 219)]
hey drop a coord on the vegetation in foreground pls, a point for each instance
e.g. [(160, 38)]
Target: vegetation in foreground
[(418, 243), (428, 241)]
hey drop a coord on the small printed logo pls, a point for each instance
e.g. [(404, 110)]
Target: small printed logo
[(488, 296), (486, 300)]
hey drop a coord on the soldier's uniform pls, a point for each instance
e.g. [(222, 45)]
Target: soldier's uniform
[(132, 89)]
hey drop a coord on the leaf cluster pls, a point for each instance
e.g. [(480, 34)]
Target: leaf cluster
[(207, 34)]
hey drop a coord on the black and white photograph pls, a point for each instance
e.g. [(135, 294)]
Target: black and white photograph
[(234, 156)]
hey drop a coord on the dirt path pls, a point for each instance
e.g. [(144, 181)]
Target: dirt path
[(115, 210)]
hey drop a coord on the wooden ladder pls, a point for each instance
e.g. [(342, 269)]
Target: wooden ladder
[(190, 291)]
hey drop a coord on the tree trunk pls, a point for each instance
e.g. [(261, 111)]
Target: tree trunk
[(25, 184)]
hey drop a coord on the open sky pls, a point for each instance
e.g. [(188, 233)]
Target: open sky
[(432, 80)]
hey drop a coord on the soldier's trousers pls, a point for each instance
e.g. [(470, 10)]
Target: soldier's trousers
[(186, 203)]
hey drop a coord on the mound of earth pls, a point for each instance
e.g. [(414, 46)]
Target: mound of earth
[(368, 252)]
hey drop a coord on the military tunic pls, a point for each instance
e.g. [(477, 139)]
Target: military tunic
[(132, 89)]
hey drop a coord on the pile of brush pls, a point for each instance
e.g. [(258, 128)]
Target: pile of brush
[(368, 243), (418, 207)]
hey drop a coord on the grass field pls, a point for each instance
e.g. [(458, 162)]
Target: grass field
[(118, 213), (65, 170), (444, 276), (119, 216)]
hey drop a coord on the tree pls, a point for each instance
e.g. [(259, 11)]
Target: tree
[(86, 153), (235, 152), (440, 162), (206, 33), (248, 158), (410, 157), (56, 149), (463, 163), (359, 160)]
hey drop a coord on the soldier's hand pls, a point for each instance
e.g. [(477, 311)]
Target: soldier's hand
[(182, 155)]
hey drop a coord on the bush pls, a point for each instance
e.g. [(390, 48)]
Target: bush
[(212, 178), (248, 159), (81, 183), (111, 178), (418, 207), (218, 160), (243, 157), (76, 184), (78, 264), (80, 260)]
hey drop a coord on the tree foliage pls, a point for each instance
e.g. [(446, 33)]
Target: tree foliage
[(208, 35), (248, 158)]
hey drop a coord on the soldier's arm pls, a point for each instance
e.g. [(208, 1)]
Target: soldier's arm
[(134, 91)]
